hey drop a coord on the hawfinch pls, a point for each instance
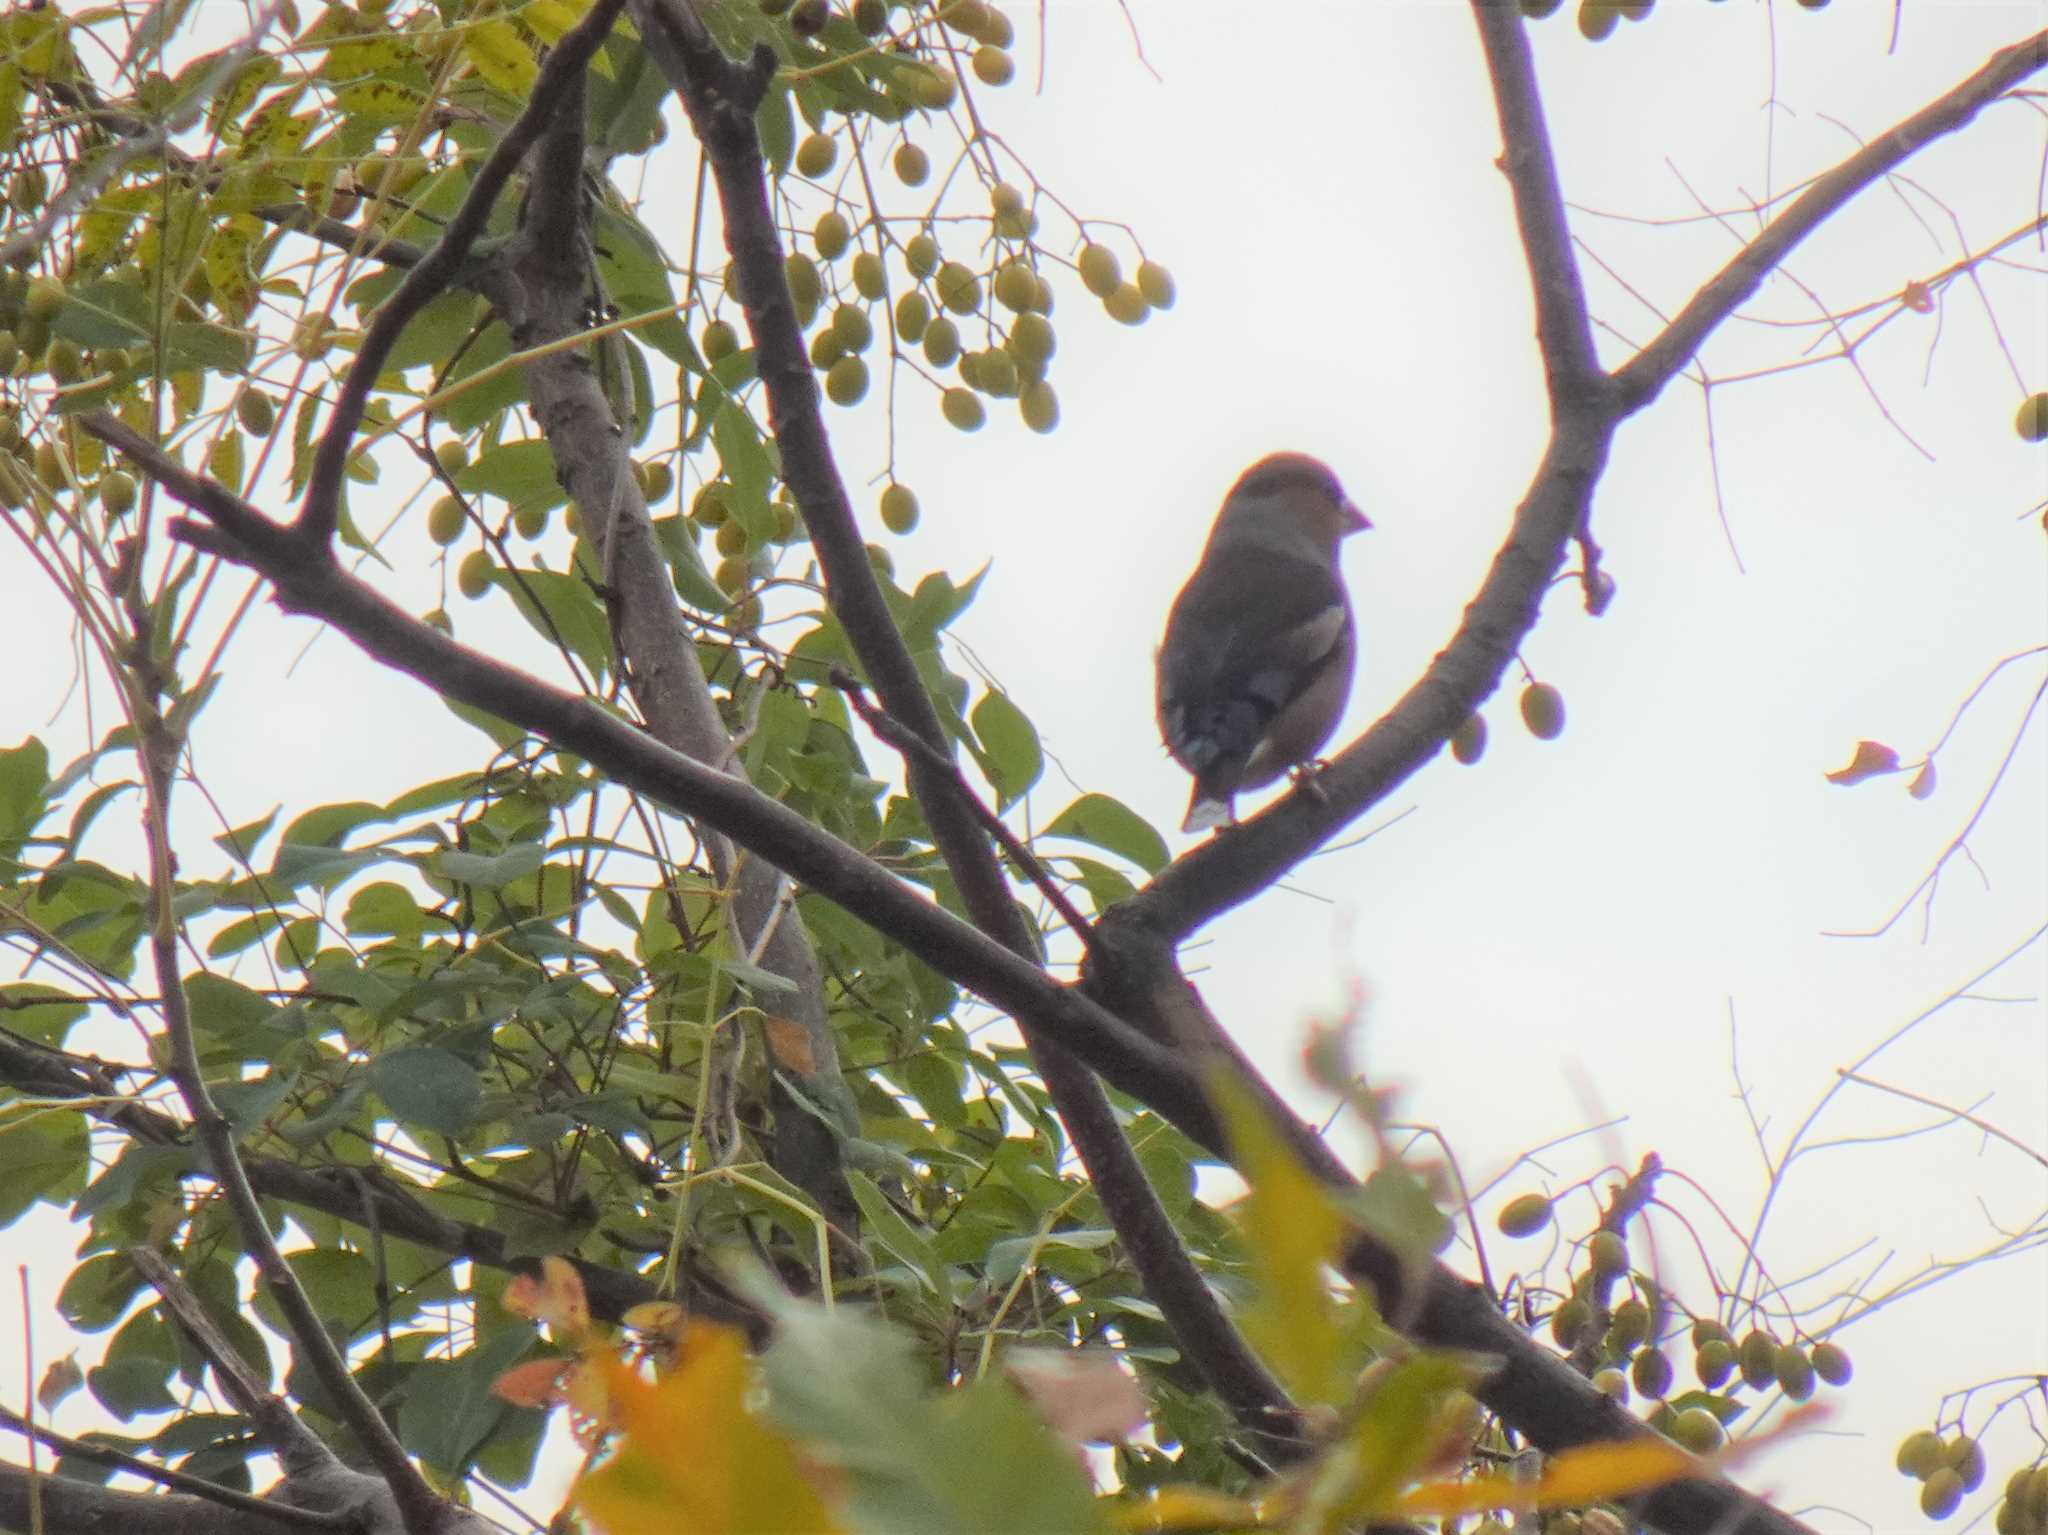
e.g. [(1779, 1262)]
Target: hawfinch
[(1256, 665)]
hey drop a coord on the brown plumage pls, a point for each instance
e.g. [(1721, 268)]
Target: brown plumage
[(1257, 662)]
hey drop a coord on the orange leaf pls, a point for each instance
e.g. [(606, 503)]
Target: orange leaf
[(694, 1457), (1918, 297), (789, 1044), (1923, 781), (535, 1383), (1873, 759)]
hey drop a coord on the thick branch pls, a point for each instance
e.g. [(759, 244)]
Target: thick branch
[(721, 96), (1657, 364), (237, 532), (80, 1508), (540, 287), (1564, 329), (321, 509), (1534, 1390), (107, 1456)]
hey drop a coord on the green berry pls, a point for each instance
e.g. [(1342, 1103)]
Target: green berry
[(1543, 711), (117, 493), (1039, 406), (816, 155), (1468, 741), (962, 408), (958, 288), (1831, 1364), (846, 381), (869, 280), (913, 166), (899, 508), (1127, 305), (1101, 272), (473, 575), (1920, 1454), (1524, 1215), (1156, 283), (941, 342), (913, 314), (721, 340), (1699, 1431), (831, 234), (2032, 421), (445, 520)]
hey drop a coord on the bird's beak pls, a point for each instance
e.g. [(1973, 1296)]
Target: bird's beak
[(1355, 521)]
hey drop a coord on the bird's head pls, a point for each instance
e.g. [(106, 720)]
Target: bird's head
[(1289, 498)]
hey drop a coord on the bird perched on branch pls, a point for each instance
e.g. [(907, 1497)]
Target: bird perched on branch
[(1256, 665)]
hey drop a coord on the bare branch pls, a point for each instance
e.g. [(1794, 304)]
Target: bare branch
[(178, 1481), (1646, 374)]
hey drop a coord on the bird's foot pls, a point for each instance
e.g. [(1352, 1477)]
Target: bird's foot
[(1307, 778)]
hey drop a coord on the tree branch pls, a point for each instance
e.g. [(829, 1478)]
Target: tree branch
[(720, 96), (237, 532), (1644, 375), (540, 286), (419, 1506), (320, 512), (80, 1508), (365, 1196), (178, 1481)]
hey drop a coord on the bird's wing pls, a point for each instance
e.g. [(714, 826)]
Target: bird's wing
[(1229, 667)]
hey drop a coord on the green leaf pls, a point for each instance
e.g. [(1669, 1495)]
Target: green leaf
[(24, 793), (503, 733), (686, 566), (563, 610), (1009, 741), (428, 1087), (97, 1294), (326, 825), (501, 56), (1112, 826), (437, 332), (128, 1388), (246, 1105), (38, 1011), (240, 842), (449, 1410), (775, 121), (106, 313), (474, 406), (522, 473), (897, 1236), (47, 1155), (1396, 1206), (491, 872)]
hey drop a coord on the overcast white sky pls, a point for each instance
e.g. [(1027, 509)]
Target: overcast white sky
[(1565, 932)]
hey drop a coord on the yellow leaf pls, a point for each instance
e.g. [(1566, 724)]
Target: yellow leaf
[(1188, 1508), (1583, 1475), (694, 1460), (550, 19), (501, 56), (1292, 1227)]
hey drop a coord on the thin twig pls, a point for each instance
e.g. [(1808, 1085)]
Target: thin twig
[(906, 741), (166, 1476)]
